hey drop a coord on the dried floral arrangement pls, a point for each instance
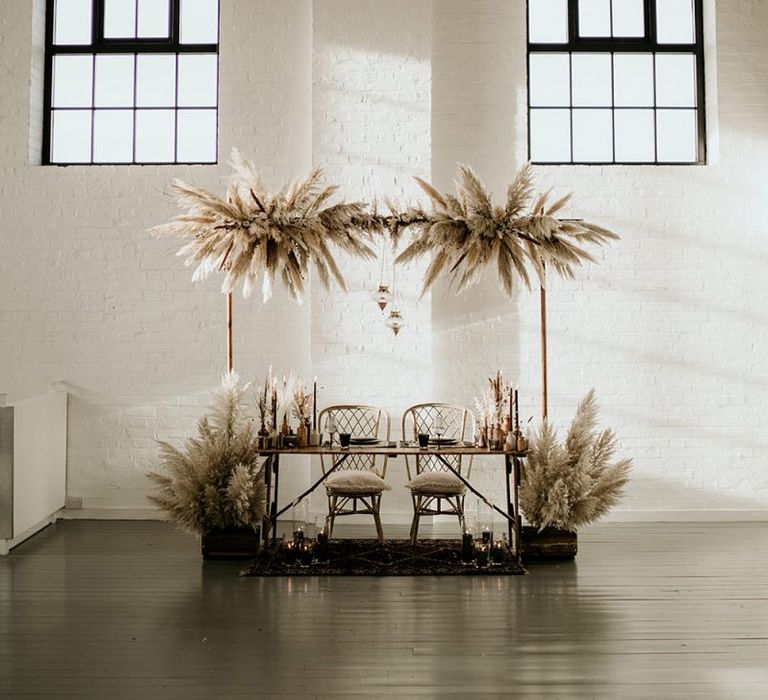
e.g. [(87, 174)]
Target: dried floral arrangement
[(492, 405), (253, 234), (466, 233), (214, 480), (280, 398), (570, 484), (302, 402)]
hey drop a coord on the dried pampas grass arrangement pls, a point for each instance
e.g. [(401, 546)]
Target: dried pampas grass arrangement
[(214, 480), (253, 234), (466, 233), (570, 484)]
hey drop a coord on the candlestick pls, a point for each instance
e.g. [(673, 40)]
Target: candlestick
[(314, 405), (517, 414), (510, 404)]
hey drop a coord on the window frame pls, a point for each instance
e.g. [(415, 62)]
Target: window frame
[(136, 45), (611, 45)]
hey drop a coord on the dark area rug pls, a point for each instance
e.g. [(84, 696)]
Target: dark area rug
[(369, 558)]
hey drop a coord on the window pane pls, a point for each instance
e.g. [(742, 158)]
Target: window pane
[(199, 22), (675, 80), (119, 19), (154, 135), (549, 79), (72, 80), (71, 136), (197, 80), (113, 136), (548, 21), (628, 17), (591, 79), (592, 136), (633, 80), (594, 17), (114, 80), (550, 135), (156, 80), (153, 18), (197, 136), (676, 135), (634, 136), (674, 20), (72, 22)]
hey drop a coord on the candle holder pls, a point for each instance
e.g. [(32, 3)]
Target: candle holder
[(321, 546), (481, 554), (289, 552), (305, 553), (497, 553), (467, 548)]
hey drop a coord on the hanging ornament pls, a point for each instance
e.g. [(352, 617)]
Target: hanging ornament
[(382, 296), (395, 321)]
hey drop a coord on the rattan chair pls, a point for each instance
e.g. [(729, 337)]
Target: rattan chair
[(356, 485), (435, 490)]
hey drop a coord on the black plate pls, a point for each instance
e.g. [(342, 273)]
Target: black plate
[(364, 441)]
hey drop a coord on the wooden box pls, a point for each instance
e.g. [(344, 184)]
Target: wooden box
[(548, 545), (231, 543)]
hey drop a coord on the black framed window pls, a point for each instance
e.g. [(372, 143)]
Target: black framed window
[(616, 81), (131, 81)]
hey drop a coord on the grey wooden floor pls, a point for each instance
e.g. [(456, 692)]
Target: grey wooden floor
[(129, 610)]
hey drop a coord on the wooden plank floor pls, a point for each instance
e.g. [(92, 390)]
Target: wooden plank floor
[(129, 610)]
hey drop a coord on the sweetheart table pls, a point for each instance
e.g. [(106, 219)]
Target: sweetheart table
[(512, 463)]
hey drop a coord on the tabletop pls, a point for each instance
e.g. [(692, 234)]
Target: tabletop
[(389, 450)]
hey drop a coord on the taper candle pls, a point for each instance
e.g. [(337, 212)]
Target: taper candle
[(314, 405), (517, 413)]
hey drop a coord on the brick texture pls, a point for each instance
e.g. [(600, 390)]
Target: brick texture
[(669, 327)]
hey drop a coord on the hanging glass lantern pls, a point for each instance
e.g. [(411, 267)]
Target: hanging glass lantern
[(382, 296), (395, 321)]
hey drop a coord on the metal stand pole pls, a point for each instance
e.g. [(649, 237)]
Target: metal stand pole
[(543, 317), (229, 331)]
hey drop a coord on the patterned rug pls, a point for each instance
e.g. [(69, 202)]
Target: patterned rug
[(369, 558)]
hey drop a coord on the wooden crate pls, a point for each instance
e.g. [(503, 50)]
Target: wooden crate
[(548, 545), (231, 543)]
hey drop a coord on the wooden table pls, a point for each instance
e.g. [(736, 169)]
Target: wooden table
[(512, 463)]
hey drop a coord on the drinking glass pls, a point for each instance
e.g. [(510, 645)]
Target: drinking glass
[(330, 427), (439, 427)]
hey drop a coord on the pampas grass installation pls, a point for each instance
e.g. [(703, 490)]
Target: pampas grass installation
[(253, 234), (214, 480), (570, 484), (467, 233)]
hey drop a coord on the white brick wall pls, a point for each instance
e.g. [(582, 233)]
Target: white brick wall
[(87, 296), (670, 327), (371, 131)]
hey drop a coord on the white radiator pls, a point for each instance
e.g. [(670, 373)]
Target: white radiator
[(33, 465)]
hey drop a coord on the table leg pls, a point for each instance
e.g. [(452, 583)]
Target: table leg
[(273, 515), (511, 509), (268, 490), (517, 467)]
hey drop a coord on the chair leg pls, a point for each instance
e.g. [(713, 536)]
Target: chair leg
[(416, 516), (376, 503), (331, 515)]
